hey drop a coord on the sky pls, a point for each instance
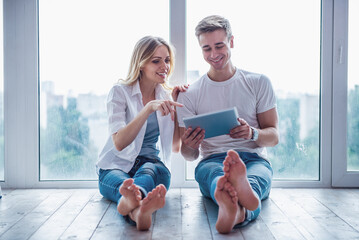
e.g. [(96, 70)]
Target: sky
[(85, 45)]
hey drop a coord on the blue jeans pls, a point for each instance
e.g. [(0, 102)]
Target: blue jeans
[(259, 174), (147, 174)]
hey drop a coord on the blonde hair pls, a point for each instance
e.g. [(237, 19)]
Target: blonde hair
[(142, 53), (213, 23)]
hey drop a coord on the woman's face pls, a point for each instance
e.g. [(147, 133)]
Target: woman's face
[(156, 70)]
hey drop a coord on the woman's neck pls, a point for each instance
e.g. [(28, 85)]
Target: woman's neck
[(147, 91)]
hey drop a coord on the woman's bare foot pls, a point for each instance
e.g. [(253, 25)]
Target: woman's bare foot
[(131, 197), (152, 202), (236, 173), (229, 212)]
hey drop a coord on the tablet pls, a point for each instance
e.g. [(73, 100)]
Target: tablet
[(214, 123)]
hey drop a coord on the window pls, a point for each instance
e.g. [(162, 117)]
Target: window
[(285, 46), (353, 88), (80, 59), (2, 147), (59, 67)]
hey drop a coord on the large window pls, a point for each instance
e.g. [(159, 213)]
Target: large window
[(80, 59), (284, 44), (61, 57), (353, 88)]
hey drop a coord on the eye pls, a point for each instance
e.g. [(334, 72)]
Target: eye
[(219, 47), (155, 61), (206, 49), (167, 60)]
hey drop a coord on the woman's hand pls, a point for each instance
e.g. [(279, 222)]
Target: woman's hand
[(164, 106), (177, 89)]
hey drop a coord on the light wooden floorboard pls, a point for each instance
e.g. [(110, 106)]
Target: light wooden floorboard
[(84, 214)]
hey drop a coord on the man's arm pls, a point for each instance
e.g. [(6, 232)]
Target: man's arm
[(191, 142), (267, 132)]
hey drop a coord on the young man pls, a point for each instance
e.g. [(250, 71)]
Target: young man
[(234, 171)]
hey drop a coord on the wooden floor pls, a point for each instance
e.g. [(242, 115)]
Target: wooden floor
[(84, 214)]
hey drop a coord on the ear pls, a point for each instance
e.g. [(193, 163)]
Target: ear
[(231, 42)]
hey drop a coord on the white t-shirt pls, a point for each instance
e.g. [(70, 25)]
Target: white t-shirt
[(124, 102), (250, 93)]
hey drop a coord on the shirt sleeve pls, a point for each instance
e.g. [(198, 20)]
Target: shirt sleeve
[(266, 99), (187, 110), (116, 109)]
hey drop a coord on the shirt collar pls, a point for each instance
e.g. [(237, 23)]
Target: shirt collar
[(136, 88)]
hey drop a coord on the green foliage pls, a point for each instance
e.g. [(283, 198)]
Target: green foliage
[(294, 158), (353, 129), (66, 150)]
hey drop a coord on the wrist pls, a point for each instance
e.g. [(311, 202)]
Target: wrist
[(255, 134)]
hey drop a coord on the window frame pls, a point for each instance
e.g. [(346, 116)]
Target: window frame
[(21, 97), (341, 176)]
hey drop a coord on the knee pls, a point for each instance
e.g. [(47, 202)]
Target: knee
[(147, 168), (208, 172), (162, 170)]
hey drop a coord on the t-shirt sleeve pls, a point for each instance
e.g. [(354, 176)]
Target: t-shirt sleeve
[(266, 99), (187, 110), (116, 110)]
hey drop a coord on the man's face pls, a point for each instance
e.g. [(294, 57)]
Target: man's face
[(216, 48)]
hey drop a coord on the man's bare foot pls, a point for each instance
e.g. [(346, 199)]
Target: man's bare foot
[(131, 197), (229, 212), (152, 202), (236, 172)]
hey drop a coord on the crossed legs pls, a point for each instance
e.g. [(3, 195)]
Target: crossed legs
[(228, 184), (138, 209), (138, 193), (233, 194), (230, 212)]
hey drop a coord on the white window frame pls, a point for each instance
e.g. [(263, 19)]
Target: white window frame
[(21, 96), (341, 176)]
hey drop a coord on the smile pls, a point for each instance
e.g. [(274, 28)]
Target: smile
[(163, 75), (216, 60)]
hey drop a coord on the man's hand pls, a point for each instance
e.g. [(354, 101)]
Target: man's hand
[(192, 138), (242, 131)]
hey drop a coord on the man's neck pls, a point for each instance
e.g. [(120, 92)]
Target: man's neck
[(221, 75)]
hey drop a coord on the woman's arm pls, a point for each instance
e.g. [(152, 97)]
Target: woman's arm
[(125, 136)]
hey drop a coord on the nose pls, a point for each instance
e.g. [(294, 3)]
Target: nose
[(165, 65), (214, 53)]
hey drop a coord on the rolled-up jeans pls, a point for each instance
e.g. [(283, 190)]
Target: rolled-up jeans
[(259, 174), (146, 172)]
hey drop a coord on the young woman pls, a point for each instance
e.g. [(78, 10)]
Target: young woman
[(140, 111)]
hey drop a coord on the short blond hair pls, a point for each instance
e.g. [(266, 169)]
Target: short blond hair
[(142, 53), (213, 23)]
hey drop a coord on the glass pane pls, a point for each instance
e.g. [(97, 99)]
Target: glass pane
[(353, 88), (273, 38), (2, 150), (85, 47)]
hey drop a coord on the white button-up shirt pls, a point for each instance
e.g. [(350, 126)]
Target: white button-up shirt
[(124, 102)]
